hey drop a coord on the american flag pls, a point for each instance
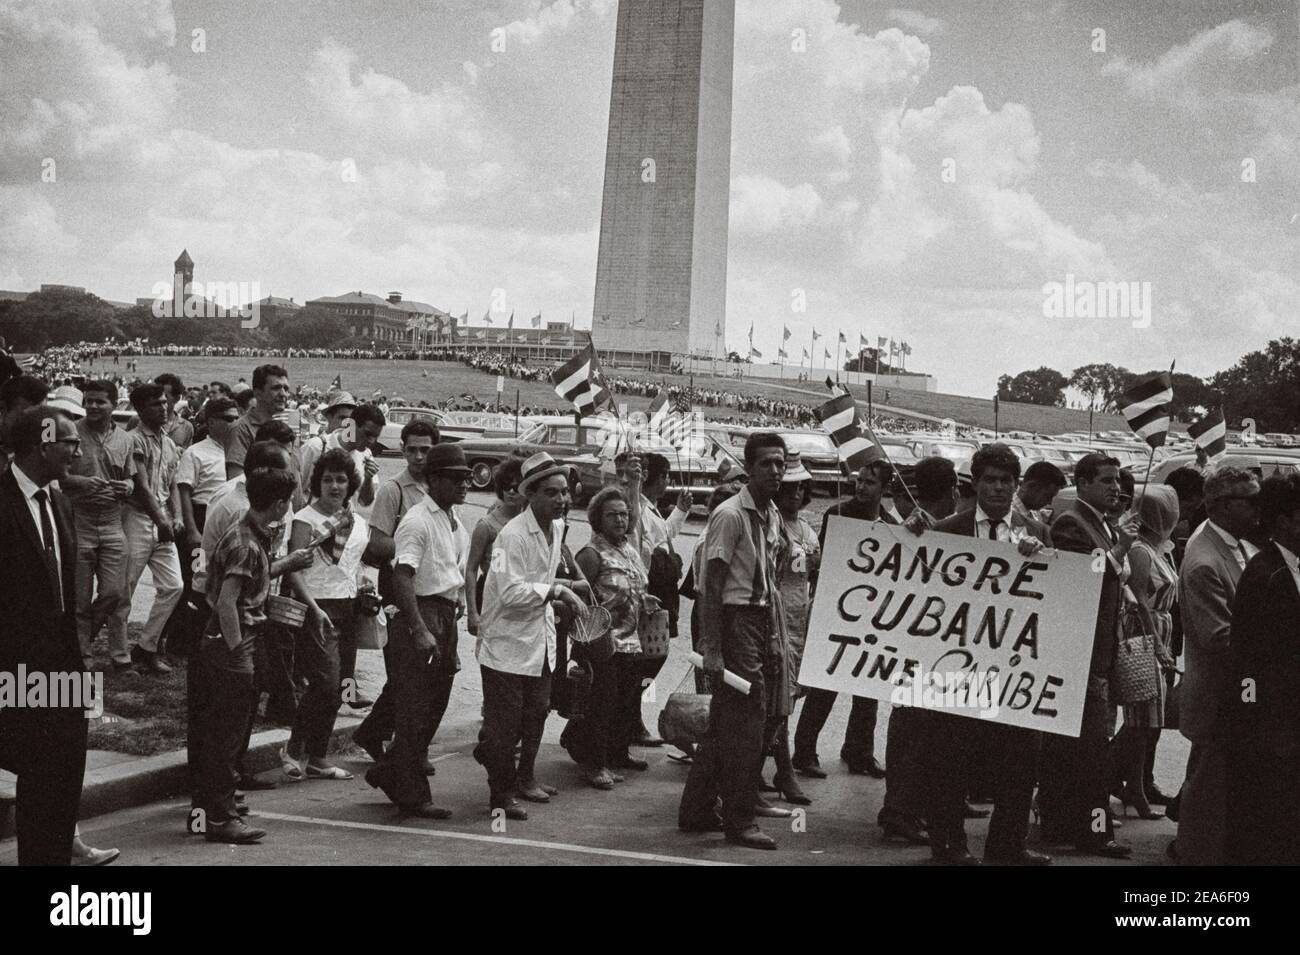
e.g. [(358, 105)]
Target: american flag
[(1211, 435), (1145, 406), (581, 382)]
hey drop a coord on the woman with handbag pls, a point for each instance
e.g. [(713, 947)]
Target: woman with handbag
[(1144, 656), (329, 588), (599, 739)]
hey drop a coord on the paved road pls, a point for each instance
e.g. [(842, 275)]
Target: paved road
[(349, 823)]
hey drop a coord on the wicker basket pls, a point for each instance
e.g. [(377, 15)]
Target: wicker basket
[(286, 611), (653, 631)]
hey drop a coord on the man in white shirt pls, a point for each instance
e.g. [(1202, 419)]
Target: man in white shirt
[(199, 475), (516, 645), (431, 545), (357, 436)]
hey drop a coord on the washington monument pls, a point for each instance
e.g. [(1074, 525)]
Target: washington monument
[(661, 272)]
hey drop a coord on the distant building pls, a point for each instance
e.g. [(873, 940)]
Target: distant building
[(390, 320), (271, 311)]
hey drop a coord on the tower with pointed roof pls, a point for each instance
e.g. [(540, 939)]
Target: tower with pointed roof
[(184, 267)]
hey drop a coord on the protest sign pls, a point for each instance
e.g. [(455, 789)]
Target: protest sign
[(960, 624)]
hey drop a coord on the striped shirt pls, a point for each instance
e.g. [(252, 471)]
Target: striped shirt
[(156, 457)]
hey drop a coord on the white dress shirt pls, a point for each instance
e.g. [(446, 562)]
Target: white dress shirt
[(435, 544), (203, 468), (29, 489), (517, 626), (982, 522)]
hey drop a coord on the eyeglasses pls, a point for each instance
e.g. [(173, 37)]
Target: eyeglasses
[(75, 442)]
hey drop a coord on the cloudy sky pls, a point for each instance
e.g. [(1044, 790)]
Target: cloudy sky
[(479, 169)]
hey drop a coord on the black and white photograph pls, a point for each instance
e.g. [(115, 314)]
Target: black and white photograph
[(674, 433)]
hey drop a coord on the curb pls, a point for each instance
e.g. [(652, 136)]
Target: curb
[(147, 779)]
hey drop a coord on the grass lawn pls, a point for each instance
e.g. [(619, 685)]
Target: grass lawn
[(434, 381)]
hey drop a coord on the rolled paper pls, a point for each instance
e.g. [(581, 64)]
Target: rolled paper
[(729, 678)]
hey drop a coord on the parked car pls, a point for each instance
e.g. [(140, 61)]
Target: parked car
[(1263, 461), (820, 456), (560, 436), (390, 439), (953, 448)]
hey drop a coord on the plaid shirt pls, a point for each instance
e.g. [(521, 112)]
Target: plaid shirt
[(241, 553)]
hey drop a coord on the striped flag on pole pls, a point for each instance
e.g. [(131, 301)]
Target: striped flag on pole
[(843, 422), (1211, 435), (1145, 406), (581, 382)]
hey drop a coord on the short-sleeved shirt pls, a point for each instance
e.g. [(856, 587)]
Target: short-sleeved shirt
[(203, 468), (393, 499), (241, 553), (335, 571), (751, 542), (242, 434), (104, 454), (156, 457), (433, 543), (180, 431)]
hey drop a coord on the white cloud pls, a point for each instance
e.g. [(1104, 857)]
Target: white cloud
[(763, 206), (384, 107), (546, 19), (916, 21)]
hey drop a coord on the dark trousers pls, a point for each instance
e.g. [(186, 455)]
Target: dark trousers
[(378, 726), (46, 750), (184, 628), (1073, 793), (1010, 754), (859, 738), (514, 714), (944, 776), (420, 691), (905, 748), (599, 736), (317, 657), (731, 758), (225, 698), (275, 671)]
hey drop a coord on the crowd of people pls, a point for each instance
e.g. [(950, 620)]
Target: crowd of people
[(274, 558)]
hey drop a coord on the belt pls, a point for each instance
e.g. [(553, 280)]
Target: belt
[(436, 599)]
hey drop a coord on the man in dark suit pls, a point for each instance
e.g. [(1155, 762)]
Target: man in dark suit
[(859, 748), (1074, 795), (955, 743), (44, 746), (1263, 715)]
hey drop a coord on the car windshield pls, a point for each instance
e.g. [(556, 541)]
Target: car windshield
[(900, 454), (953, 452), (816, 443), (534, 434)]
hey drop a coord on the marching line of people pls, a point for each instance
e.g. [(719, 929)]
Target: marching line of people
[(292, 550)]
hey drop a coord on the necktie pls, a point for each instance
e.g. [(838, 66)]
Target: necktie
[(1241, 548), (993, 528), (47, 536)]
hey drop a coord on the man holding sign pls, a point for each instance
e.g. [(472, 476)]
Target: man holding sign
[(1011, 751)]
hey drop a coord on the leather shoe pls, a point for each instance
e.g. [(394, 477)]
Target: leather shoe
[(645, 738), (149, 661), (751, 838), (233, 832), (868, 767), (974, 812), (425, 811), (1023, 857), (765, 810), (954, 857), (1111, 849), (808, 767), (512, 810), (532, 792), (707, 824)]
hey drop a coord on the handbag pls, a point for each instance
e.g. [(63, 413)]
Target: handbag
[(684, 720), (1134, 675)]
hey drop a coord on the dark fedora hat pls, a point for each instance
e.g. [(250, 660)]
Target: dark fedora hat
[(446, 458)]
